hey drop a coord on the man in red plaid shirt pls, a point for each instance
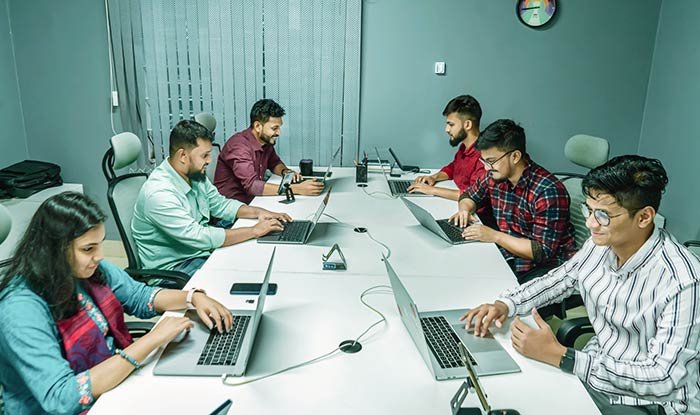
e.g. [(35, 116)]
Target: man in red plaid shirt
[(530, 205)]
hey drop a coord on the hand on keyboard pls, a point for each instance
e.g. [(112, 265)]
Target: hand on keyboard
[(479, 232), (265, 226), (419, 187)]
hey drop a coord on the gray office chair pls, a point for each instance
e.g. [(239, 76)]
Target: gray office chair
[(5, 223), (122, 193), (208, 120), (589, 152), (693, 246)]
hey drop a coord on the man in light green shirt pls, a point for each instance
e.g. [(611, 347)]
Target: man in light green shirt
[(172, 213)]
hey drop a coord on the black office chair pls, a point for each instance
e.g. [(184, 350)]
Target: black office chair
[(208, 120), (122, 192)]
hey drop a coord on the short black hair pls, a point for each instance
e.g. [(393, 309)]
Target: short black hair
[(264, 109), (634, 181), (185, 135), (505, 135), (466, 107)]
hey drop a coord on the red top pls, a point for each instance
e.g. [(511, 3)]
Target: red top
[(465, 168), (241, 166)]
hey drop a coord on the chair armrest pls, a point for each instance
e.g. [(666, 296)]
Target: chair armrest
[(688, 244), (177, 278), (571, 329), (139, 328)]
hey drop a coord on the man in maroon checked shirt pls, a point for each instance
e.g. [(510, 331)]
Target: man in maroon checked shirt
[(530, 205), (241, 166)]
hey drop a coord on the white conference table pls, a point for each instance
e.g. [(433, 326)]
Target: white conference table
[(313, 311)]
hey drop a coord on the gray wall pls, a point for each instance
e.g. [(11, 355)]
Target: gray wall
[(62, 61), (586, 73), (13, 143), (671, 129)]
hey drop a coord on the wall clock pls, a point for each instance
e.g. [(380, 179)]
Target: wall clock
[(536, 13)]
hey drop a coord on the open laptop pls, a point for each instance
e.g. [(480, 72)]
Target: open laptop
[(298, 231), (403, 167), (437, 335), (205, 352), (323, 176), (398, 187), (440, 227)]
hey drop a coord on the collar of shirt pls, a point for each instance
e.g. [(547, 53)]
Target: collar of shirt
[(526, 177), (637, 260), (180, 184), (250, 137)]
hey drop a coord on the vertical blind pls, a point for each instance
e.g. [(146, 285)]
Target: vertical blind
[(176, 58)]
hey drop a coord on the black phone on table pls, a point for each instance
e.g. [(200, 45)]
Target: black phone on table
[(252, 288)]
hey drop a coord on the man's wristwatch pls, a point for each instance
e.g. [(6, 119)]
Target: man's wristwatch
[(568, 360), (285, 171), (190, 293)]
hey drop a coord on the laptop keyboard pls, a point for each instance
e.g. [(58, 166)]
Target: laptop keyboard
[(453, 232), (443, 342), (294, 231), (222, 349), (399, 187)]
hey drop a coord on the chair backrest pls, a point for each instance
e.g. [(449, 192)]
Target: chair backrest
[(693, 246), (5, 223), (573, 186), (211, 168), (586, 150), (121, 195), (124, 149), (207, 119)]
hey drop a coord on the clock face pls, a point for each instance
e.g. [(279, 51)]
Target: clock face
[(536, 13)]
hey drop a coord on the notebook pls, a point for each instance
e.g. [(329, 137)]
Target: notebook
[(205, 352), (298, 231), (438, 334)]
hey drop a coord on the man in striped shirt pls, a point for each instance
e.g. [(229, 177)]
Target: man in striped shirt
[(641, 292)]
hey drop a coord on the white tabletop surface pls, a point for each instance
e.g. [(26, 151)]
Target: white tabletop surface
[(314, 310)]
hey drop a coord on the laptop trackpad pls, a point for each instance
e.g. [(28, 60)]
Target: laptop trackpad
[(477, 344)]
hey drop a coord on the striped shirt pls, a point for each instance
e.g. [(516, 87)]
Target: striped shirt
[(646, 317)]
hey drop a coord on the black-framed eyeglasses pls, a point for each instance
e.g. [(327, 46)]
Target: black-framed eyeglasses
[(492, 163), (600, 216)]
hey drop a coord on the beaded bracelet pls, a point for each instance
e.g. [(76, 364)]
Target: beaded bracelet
[(128, 358)]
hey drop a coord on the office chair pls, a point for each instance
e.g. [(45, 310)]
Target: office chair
[(5, 223), (122, 193), (589, 152), (693, 246), (208, 120)]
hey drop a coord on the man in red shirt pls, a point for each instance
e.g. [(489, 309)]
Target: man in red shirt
[(241, 166), (462, 117)]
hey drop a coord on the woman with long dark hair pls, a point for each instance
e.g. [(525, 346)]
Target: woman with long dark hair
[(63, 341)]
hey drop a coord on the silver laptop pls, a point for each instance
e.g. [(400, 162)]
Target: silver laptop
[(205, 352), (437, 335), (440, 227), (298, 231), (398, 187), (322, 177)]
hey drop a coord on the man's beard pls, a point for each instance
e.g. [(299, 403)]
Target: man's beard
[(457, 140), (268, 139), (197, 176)]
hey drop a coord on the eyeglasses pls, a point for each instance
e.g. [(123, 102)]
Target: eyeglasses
[(600, 216), (491, 164)]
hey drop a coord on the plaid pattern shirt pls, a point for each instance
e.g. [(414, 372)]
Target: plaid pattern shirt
[(537, 208)]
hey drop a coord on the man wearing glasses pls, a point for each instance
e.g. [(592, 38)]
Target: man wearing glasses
[(530, 205), (641, 289)]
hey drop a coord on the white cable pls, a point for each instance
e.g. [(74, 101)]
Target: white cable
[(111, 67), (371, 194), (323, 356)]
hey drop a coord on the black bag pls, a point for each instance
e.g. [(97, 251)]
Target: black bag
[(27, 177)]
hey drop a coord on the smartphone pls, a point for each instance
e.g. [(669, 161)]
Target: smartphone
[(252, 288)]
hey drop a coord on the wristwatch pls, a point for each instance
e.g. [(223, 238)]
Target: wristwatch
[(568, 360), (190, 293)]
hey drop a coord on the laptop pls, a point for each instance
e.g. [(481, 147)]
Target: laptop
[(403, 167), (323, 176), (440, 227), (205, 352), (438, 334), (298, 231), (398, 187)]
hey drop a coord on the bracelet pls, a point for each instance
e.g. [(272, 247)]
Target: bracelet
[(128, 358), (190, 293)]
